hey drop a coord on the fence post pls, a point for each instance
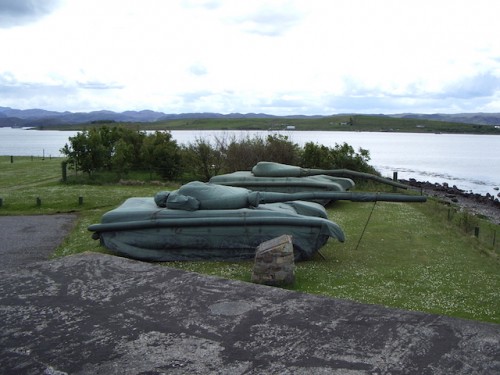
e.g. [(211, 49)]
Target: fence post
[(38, 201), (64, 171), (80, 200), (395, 179), (1, 201), (11, 159), (476, 231)]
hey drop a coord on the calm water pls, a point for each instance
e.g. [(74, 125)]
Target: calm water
[(472, 162)]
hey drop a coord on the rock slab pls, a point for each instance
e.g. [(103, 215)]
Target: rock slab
[(100, 314)]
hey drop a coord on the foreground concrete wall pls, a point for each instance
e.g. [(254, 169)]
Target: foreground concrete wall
[(99, 314)]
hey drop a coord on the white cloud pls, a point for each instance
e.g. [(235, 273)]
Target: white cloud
[(281, 57), (269, 18), (198, 69)]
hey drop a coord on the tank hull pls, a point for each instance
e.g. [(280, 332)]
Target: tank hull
[(141, 230)]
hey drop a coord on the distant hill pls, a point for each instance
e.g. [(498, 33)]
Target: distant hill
[(10, 117), (466, 118), (38, 117)]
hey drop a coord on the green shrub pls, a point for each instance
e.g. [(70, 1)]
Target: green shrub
[(342, 156), (121, 150)]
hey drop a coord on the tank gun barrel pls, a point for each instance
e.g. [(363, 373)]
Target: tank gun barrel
[(271, 197)]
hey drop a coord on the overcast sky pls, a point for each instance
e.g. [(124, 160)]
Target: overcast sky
[(279, 57)]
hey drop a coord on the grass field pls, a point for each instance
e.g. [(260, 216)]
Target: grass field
[(408, 255)]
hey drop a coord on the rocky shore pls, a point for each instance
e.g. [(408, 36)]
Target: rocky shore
[(486, 205)]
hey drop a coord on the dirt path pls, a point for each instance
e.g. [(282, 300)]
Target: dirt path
[(27, 239)]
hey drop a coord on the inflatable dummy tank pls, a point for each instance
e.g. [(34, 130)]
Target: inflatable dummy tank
[(268, 176), (216, 222), (267, 169), (276, 177)]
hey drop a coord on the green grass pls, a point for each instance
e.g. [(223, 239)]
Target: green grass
[(409, 256), (21, 171), (23, 181), (406, 258)]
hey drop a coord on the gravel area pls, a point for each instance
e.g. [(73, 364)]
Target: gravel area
[(27, 239)]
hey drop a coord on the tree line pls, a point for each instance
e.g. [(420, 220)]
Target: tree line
[(120, 150)]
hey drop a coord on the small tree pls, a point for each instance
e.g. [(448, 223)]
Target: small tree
[(85, 152), (280, 149), (133, 139), (123, 157), (243, 154), (345, 157), (204, 159), (341, 156), (316, 156), (160, 152)]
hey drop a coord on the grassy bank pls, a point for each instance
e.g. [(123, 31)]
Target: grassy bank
[(408, 256), (329, 123)]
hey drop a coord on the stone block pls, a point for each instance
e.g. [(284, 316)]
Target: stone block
[(274, 262)]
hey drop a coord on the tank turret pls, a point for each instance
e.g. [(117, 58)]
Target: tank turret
[(206, 196)]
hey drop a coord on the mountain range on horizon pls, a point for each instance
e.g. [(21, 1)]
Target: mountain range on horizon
[(10, 117)]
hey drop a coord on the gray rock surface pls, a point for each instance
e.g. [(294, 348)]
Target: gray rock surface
[(101, 314)]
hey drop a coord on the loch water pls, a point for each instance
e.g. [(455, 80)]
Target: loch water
[(471, 162)]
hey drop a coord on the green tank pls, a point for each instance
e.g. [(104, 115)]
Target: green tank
[(283, 184), (283, 178), (210, 221), (271, 169)]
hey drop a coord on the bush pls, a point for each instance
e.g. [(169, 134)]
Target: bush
[(242, 155), (159, 152), (341, 156), (120, 150), (202, 160)]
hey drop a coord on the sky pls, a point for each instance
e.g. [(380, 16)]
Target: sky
[(281, 57)]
